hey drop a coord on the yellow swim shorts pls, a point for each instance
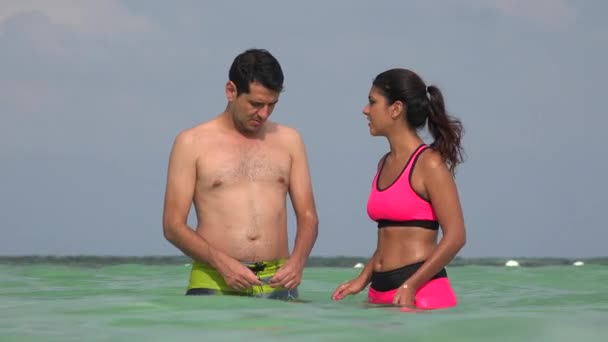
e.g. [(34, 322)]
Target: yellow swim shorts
[(205, 280)]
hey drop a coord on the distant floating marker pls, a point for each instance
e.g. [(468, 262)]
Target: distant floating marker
[(187, 265), (512, 263), (359, 265), (578, 263)]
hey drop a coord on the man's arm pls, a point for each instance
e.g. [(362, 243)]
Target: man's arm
[(302, 199), (181, 182)]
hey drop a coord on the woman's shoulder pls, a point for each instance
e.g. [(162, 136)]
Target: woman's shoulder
[(430, 159)]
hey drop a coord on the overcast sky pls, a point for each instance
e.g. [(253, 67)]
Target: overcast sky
[(92, 94)]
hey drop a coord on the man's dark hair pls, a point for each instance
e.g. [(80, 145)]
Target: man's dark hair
[(256, 65)]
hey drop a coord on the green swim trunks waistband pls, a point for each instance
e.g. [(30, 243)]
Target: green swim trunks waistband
[(204, 279)]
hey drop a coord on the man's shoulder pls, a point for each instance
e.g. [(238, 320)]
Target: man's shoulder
[(285, 132), (196, 133)]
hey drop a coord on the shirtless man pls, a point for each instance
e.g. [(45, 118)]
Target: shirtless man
[(237, 169)]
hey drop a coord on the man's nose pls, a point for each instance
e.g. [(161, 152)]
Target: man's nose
[(264, 111)]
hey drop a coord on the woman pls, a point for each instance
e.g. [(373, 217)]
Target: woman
[(412, 195)]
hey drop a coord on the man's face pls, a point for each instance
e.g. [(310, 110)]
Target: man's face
[(251, 110)]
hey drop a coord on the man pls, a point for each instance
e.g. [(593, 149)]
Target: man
[(238, 169)]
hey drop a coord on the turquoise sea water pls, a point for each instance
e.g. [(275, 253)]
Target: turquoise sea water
[(132, 302)]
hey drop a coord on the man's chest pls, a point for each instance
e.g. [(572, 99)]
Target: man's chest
[(233, 164)]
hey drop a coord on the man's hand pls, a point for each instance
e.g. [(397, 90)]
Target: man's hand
[(288, 276), (235, 274)]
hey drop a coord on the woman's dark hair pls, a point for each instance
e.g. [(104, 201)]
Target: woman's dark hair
[(256, 65), (406, 86)]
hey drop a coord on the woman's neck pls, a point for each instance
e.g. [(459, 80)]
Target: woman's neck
[(402, 143)]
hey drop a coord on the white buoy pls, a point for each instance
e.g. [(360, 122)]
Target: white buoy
[(578, 263), (512, 263), (359, 265)]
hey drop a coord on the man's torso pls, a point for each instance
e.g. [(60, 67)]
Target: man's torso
[(240, 192)]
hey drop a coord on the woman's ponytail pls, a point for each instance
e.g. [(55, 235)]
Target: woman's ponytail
[(447, 131)]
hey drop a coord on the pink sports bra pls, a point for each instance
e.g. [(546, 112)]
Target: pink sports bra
[(399, 204)]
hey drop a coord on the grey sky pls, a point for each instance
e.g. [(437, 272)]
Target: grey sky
[(92, 94)]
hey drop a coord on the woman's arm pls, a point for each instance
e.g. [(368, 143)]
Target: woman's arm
[(443, 194)]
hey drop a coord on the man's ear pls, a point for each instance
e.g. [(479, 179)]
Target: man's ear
[(231, 92)]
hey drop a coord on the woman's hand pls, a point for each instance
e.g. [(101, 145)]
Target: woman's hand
[(405, 297), (350, 287)]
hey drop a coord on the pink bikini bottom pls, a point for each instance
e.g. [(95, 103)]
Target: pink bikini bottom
[(437, 293)]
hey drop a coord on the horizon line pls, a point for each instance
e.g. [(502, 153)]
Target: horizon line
[(312, 256)]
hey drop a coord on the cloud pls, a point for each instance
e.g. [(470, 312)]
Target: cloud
[(93, 19), (546, 13)]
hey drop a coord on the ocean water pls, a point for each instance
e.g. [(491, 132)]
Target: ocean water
[(139, 302)]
